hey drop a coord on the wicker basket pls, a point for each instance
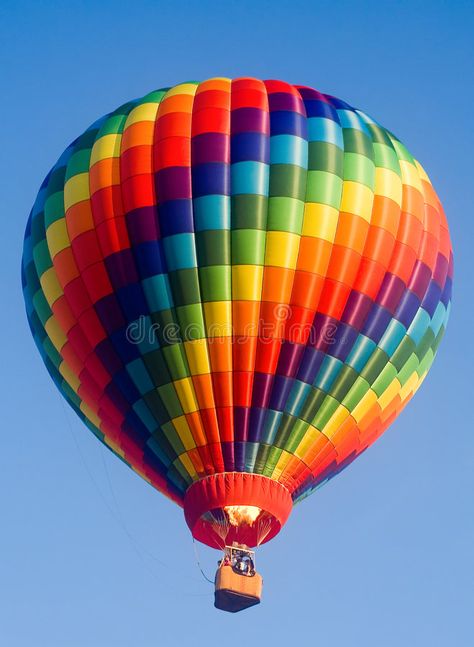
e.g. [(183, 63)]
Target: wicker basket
[(235, 592)]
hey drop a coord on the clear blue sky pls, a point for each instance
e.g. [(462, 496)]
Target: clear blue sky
[(90, 555)]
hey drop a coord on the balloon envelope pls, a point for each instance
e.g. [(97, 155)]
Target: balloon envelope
[(237, 285)]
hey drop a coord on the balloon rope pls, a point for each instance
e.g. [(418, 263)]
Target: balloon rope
[(135, 545), (196, 554), (263, 529)]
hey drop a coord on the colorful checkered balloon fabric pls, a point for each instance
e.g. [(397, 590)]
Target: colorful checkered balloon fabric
[(237, 276)]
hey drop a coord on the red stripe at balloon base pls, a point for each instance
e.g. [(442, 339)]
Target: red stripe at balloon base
[(236, 506)]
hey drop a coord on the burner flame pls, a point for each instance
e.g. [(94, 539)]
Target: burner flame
[(242, 514)]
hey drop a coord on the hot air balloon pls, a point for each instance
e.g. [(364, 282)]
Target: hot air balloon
[(237, 285)]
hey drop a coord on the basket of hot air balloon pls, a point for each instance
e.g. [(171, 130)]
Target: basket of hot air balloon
[(237, 285)]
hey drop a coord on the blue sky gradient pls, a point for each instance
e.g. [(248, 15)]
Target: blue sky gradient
[(90, 555)]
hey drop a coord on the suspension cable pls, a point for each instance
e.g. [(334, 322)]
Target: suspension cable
[(116, 515), (196, 554)]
